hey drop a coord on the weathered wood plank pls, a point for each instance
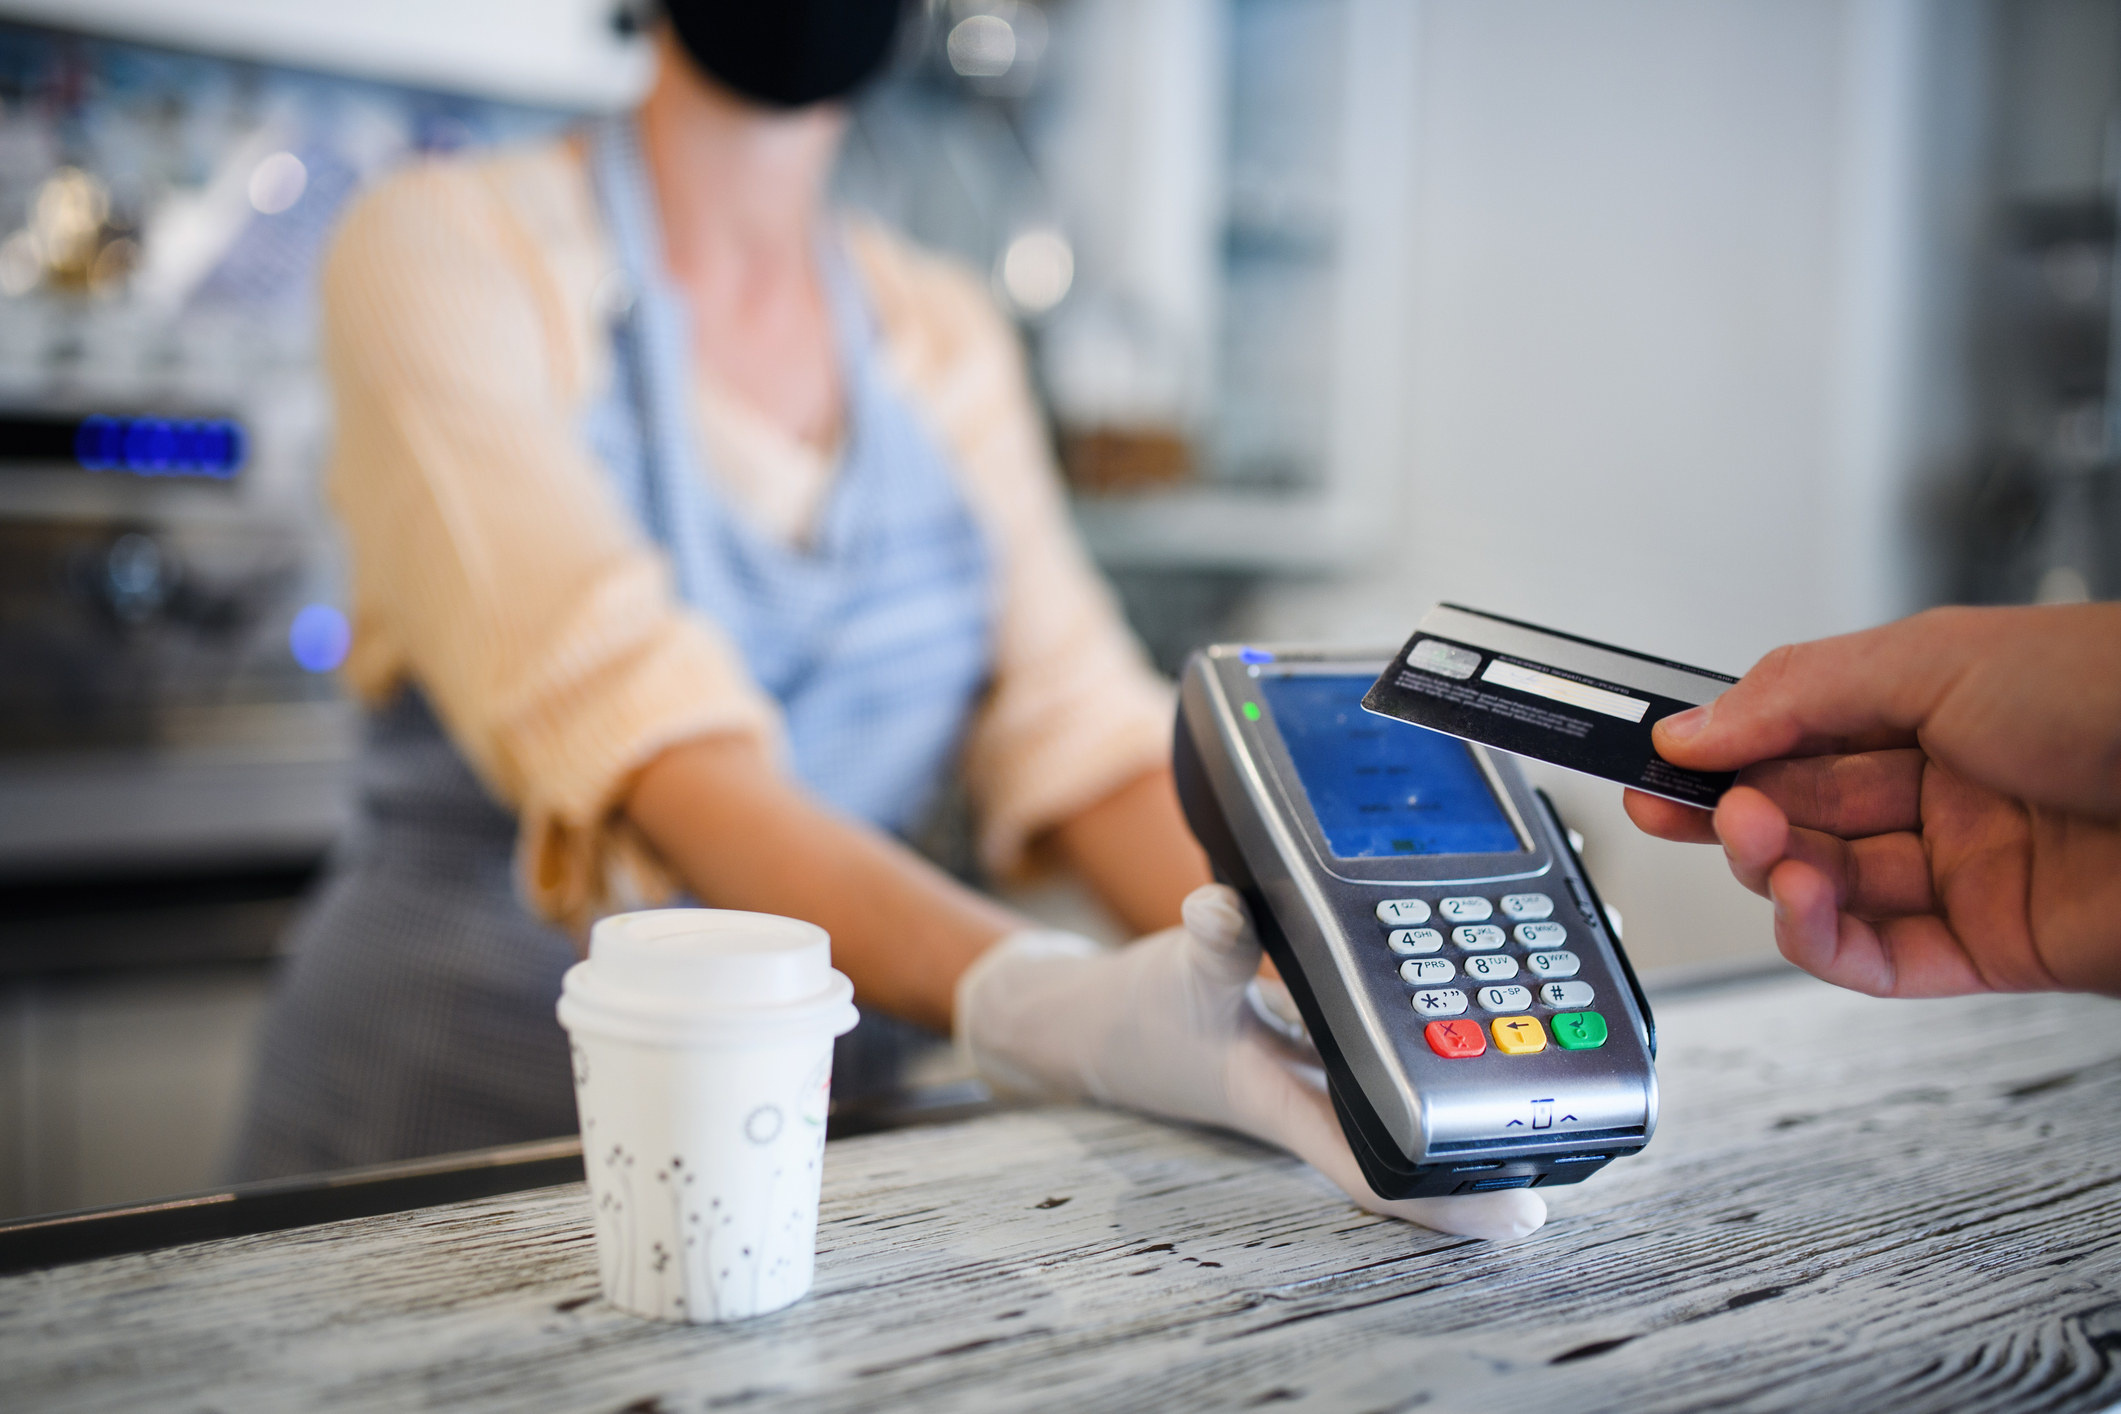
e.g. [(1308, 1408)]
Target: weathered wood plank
[(1850, 1205)]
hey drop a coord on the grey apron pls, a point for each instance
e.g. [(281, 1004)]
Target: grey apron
[(415, 1015)]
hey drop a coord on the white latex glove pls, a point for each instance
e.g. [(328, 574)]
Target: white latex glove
[(1165, 1027)]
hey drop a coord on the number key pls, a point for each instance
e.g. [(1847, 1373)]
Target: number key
[(1491, 966), (1521, 907), (1410, 941), (1466, 910), (1402, 912), (1505, 998)]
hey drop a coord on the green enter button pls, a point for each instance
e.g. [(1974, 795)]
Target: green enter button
[(1579, 1030)]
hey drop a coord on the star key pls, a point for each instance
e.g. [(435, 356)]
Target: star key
[(1440, 1001)]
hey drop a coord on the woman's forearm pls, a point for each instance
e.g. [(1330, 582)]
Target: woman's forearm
[(1134, 849), (742, 836)]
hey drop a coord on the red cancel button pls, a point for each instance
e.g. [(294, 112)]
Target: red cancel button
[(1456, 1040)]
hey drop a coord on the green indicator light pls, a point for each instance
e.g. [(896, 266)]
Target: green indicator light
[(1251, 710)]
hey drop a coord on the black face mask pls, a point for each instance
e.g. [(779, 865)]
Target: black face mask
[(786, 53)]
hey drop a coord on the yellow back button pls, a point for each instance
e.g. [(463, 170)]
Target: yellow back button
[(1518, 1035)]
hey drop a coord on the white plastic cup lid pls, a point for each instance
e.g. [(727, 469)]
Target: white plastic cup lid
[(715, 956), (716, 969)]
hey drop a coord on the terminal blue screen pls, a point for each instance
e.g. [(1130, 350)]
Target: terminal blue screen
[(1378, 787)]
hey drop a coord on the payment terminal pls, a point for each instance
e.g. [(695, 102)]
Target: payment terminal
[(1480, 1026)]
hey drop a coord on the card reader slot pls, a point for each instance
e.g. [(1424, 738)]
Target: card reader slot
[(1589, 1136)]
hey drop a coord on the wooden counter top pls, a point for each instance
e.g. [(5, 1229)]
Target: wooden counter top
[(1849, 1205)]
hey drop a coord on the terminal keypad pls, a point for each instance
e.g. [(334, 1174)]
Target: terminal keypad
[(1476, 948)]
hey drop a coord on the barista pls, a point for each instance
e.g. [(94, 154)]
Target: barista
[(1934, 806), (697, 535)]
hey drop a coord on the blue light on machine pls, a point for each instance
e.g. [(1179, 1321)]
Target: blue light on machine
[(160, 446), (1254, 656), (319, 637)]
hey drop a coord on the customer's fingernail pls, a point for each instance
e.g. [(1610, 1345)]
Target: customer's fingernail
[(1684, 726)]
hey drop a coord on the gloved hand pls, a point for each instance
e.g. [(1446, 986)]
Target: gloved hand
[(1165, 1027)]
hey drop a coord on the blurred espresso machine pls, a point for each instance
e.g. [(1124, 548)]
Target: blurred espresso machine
[(168, 615), (166, 634), (171, 609)]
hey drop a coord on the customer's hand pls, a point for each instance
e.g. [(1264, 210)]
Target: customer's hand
[(1164, 1026), (1933, 806)]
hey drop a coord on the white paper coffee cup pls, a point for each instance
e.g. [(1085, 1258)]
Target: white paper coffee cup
[(702, 1043)]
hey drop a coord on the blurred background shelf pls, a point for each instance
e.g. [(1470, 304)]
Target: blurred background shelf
[(1232, 530), (563, 53)]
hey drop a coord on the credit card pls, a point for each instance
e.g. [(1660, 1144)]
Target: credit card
[(1551, 696)]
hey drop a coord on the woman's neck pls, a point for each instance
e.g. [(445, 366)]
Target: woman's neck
[(740, 187)]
